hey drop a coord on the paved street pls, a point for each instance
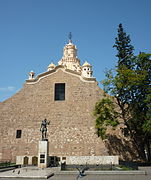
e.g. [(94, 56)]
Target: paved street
[(93, 177), (103, 177)]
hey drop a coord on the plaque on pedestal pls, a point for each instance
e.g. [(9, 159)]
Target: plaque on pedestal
[(43, 154)]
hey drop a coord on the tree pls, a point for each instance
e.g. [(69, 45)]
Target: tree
[(142, 101), (106, 115), (130, 85), (124, 48)]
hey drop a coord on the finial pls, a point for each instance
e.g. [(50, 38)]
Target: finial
[(31, 75), (70, 37)]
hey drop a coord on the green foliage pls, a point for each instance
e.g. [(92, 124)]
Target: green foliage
[(126, 168), (130, 84), (124, 48), (105, 116), (147, 125), (6, 164)]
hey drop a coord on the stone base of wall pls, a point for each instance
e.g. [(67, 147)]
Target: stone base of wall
[(26, 160), (79, 160), (91, 160)]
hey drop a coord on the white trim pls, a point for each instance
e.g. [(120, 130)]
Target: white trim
[(80, 77)]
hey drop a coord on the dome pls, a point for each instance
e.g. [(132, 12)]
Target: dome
[(86, 64), (51, 65)]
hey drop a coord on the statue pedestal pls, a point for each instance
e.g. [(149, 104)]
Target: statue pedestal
[(43, 154)]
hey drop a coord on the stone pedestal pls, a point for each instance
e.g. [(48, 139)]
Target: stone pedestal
[(43, 154)]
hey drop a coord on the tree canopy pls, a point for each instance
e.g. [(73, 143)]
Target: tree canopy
[(130, 85)]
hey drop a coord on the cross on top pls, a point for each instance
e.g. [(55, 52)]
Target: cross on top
[(70, 36)]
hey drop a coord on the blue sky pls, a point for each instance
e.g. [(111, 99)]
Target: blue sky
[(34, 32)]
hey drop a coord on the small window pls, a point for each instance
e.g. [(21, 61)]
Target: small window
[(42, 155), (63, 158), (18, 133), (42, 161), (42, 158), (59, 91)]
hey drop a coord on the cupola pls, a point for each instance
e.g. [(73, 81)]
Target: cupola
[(87, 70), (50, 67), (70, 59)]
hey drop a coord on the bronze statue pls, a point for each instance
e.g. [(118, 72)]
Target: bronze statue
[(43, 129)]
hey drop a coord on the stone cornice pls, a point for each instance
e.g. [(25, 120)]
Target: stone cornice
[(68, 71)]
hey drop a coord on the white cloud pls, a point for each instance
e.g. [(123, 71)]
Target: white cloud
[(7, 89)]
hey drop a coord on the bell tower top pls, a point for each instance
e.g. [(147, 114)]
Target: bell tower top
[(70, 59), (70, 50)]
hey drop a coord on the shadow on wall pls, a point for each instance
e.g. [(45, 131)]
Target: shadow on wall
[(121, 147)]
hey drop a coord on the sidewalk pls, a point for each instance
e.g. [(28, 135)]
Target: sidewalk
[(147, 169), (37, 173), (140, 172)]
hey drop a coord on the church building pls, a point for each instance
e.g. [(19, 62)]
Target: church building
[(65, 95)]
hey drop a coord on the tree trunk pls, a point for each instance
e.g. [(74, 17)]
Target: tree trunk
[(148, 150)]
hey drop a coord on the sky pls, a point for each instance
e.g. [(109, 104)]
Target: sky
[(34, 32)]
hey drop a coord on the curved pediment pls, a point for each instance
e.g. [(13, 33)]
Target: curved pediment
[(55, 70)]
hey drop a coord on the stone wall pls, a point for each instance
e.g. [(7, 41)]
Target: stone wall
[(81, 160), (78, 160), (72, 126)]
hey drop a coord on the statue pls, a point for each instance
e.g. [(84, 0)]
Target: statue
[(43, 129)]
